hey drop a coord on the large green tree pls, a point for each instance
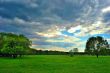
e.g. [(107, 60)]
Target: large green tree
[(1, 43), (13, 45), (96, 45)]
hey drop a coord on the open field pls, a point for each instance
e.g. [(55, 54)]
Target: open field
[(55, 64)]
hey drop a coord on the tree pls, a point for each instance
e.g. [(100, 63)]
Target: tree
[(95, 45), (25, 43), (1, 42), (73, 51), (14, 45)]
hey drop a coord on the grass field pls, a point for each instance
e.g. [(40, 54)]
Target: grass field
[(55, 64)]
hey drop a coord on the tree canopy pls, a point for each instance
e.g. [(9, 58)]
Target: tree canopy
[(13, 45), (96, 45)]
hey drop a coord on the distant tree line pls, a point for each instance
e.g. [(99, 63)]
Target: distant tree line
[(47, 52), (13, 45), (50, 52)]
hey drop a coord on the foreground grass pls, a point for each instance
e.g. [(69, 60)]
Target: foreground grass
[(55, 64)]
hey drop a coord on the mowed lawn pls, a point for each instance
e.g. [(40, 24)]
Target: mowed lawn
[(55, 64)]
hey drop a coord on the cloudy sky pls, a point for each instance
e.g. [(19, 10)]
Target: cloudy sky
[(56, 24)]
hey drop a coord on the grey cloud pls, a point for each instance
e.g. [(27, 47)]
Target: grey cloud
[(30, 16)]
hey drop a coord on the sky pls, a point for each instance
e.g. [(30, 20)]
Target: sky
[(56, 24)]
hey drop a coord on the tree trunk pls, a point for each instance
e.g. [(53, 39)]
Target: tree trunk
[(14, 56), (20, 55), (97, 55)]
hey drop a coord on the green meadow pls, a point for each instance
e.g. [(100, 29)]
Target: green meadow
[(55, 64)]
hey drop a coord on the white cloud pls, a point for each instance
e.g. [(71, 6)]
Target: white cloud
[(98, 28), (74, 29), (18, 21), (80, 45), (81, 34), (95, 28), (97, 24), (105, 10), (51, 33), (100, 31), (57, 49), (52, 48), (67, 39), (28, 3), (34, 39), (108, 39)]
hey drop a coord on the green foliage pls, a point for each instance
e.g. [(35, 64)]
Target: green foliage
[(73, 51), (13, 44), (96, 45)]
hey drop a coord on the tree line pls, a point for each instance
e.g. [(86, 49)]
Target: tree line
[(13, 45), (52, 52), (47, 52)]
